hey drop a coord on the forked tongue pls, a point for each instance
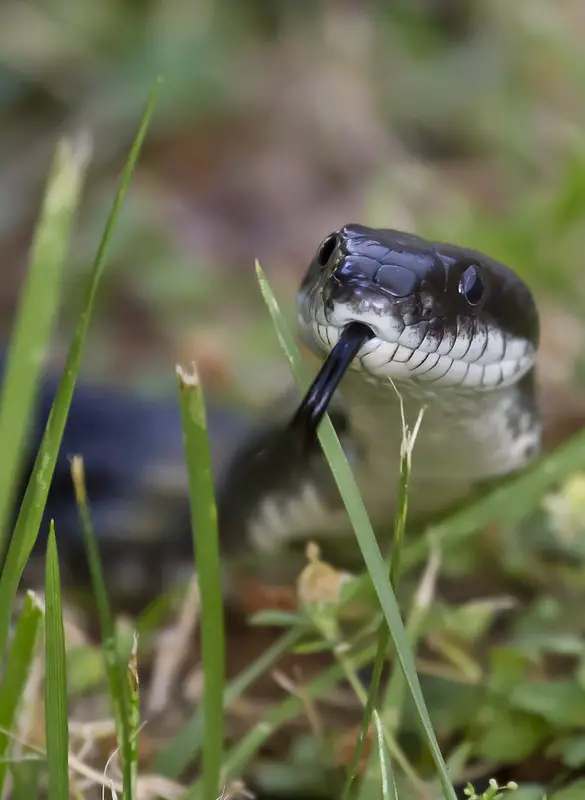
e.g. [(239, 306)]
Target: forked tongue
[(315, 403)]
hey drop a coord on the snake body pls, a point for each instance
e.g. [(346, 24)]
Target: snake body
[(454, 331)]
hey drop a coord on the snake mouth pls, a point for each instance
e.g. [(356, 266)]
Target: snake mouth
[(316, 401), (466, 356)]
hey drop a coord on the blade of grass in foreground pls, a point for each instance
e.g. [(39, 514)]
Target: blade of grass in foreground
[(56, 716), (133, 687), (408, 439), (366, 539), (206, 546), (114, 668), (38, 304), (393, 699), (16, 674), (33, 503)]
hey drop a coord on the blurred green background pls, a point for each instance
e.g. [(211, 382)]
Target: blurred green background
[(459, 119)]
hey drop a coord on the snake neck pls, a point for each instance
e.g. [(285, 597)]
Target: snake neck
[(272, 496), (465, 438)]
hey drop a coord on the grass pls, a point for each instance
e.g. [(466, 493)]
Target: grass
[(207, 559), (118, 686), (408, 438), (16, 673), (31, 511), (54, 229), (184, 748), (56, 714), (38, 308)]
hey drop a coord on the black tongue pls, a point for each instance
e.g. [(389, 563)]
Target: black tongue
[(314, 405)]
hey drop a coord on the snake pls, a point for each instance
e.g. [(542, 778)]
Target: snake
[(425, 325), (397, 324)]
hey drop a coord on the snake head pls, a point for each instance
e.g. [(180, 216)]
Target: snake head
[(438, 313)]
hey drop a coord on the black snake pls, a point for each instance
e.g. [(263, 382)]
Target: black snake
[(452, 330)]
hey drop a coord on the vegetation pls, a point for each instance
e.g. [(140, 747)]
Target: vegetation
[(462, 121)]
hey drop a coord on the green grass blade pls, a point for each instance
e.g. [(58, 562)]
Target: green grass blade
[(16, 674), (185, 746), (114, 668), (389, 791), (56, 716), (38, 305), (31, 511), (368, 544), (207, 557), (394, 698), (372, 701), (133, 689)]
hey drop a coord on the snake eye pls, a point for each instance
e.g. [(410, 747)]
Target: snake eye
[(326, 249), (471, 286)]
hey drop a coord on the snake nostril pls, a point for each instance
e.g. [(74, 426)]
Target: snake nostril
[(326, 249), (426, 306)]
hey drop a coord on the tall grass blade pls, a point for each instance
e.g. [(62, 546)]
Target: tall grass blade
[(367, 541), (394, 698), (38, 305), (207, 557), (16, 674), (56, 716), (372, 701), (114, 667), (32, 507), (133, 688)]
